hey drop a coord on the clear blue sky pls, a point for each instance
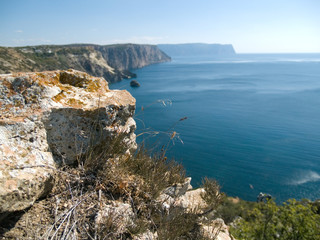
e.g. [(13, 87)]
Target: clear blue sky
[(250, 25)]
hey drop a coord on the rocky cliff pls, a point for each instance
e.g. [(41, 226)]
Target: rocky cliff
[(68, 168), (113, 62), (131, 56), (52, 118)]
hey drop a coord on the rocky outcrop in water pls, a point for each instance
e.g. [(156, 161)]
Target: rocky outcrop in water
[(113, 62), (134, 83), (53, 118)]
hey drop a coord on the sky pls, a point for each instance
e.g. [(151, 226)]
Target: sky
[(251, 26)]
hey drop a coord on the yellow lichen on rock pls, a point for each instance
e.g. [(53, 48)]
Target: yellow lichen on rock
[(23, 93), (52, 118)]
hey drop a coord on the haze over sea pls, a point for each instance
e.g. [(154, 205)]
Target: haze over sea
[(252, 120)]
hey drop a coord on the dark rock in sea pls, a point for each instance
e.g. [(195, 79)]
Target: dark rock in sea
[(134, 83)]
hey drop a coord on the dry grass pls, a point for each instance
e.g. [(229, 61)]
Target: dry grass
[(81, 194), (212, 195)]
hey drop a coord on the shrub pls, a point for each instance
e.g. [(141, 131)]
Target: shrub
[(212, 195), (230, 209), (157, 171), (80, 194), (177, 224), (292, 220)]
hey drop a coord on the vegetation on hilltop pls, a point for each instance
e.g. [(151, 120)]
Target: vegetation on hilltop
[(113, 62)]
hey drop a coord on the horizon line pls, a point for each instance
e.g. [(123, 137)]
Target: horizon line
[(156, 44)]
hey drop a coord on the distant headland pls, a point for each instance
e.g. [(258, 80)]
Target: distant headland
[(196, 49), (113, 62)]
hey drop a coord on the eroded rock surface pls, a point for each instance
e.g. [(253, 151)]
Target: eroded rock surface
[(216, 229), (25, 164), (192, 201), (51, 118)]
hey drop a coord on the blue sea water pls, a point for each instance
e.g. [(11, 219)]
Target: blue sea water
[(253, 121)]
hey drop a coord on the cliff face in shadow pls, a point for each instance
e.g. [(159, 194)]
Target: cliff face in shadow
[(131, 56), (113, 62)]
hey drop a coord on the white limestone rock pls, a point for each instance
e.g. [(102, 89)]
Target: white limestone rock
[(178, 189), (216, 229), (25, 165), (118, 214), (192, 201), (51, 118)]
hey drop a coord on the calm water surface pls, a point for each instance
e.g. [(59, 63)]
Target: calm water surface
[(253, 121)]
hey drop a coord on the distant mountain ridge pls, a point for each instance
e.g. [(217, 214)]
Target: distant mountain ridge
[(196, 49), (113, 62)]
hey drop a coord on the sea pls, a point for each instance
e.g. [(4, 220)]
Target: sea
[(250, 121)]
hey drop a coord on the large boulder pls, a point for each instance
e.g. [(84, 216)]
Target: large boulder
[(192, 201), (53, 118), (26, 165)]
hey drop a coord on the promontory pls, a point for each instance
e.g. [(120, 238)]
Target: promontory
[(113, 62)]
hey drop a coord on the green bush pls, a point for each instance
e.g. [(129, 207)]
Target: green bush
[(291, 221), (230, 209)]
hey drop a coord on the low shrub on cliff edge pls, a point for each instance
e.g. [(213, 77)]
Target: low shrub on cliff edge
[(158, 172), (232, 208), (212, 195)]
